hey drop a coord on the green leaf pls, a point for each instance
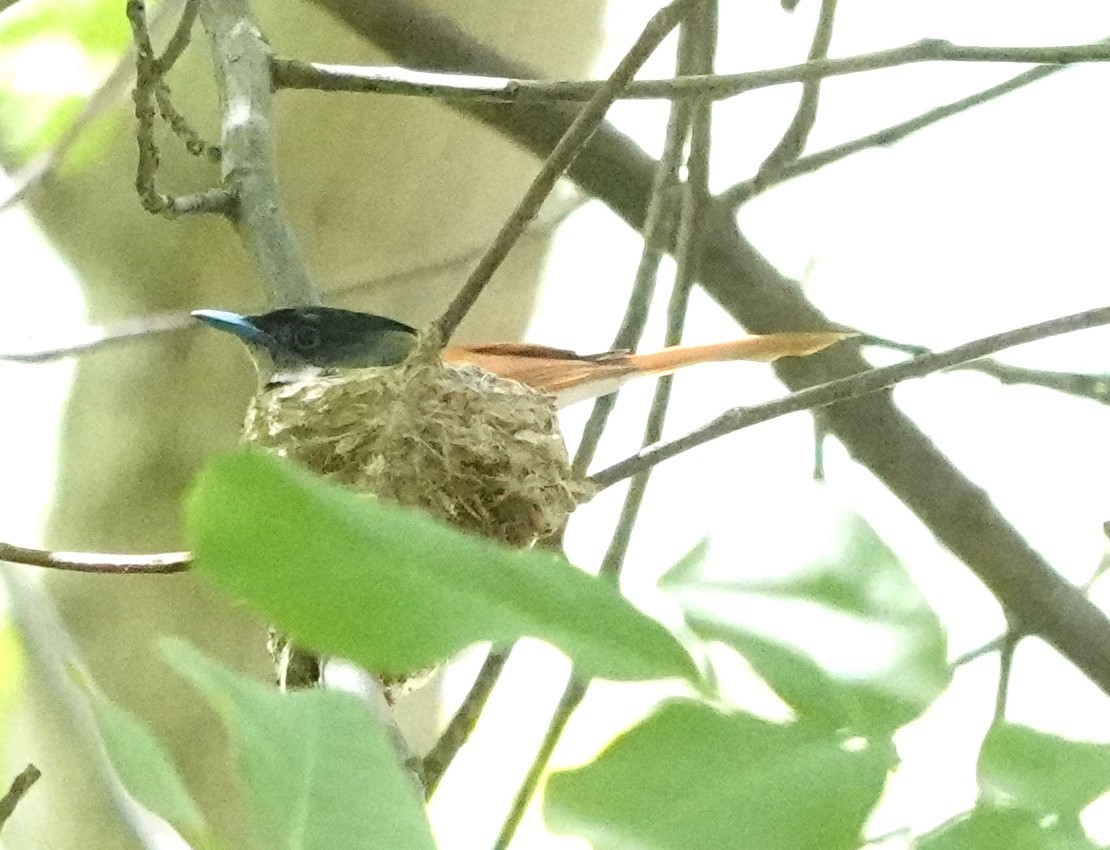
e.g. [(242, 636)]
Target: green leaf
[(319, 769), (690, 777), (846, 640), (992, 828), (144, 767), (1043, 773), (395, 590)]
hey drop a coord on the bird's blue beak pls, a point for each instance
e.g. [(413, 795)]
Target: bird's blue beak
[(233, 323)]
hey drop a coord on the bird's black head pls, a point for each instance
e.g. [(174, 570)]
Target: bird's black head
[(294, 339)]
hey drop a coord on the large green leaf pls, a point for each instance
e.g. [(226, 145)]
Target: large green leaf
[(145, 768), (690, 777), (1043, 773), (846, 640), (992, 828), (319, 769), (395, 590)]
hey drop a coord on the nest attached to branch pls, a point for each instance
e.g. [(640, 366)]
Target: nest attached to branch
[(479, 451)]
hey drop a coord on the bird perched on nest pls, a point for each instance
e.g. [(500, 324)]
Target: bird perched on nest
[(469, 434), (300, 342)]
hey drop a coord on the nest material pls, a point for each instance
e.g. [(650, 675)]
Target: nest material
[(479, 451)]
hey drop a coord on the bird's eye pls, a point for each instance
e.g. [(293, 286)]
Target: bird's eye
[(306, 337)]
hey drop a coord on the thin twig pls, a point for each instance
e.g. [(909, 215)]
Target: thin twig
[(1006, 652), (148, 79), (97, 562), (657, 235), (993, 645), (998, 642), (743, 191), (697, 44), (181, 37), (94, 337), (194, 142), (793, 141), (1095, 387), (293, 74), (850, 387), (241, 59), (584, 125), (1078, 384), (462, 724), (570, 700), (19, 787)]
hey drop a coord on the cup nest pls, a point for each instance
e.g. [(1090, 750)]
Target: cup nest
[(482, 452)]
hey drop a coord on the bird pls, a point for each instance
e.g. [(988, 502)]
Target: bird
[(481, 452), (295, 343)]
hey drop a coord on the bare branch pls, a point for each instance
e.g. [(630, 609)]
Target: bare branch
[(462, 724), (19, 787), (743, 191), (94, 337), (96, 562), (579, 132), (148, 80), (291, 74), (181, 37), (1006, 652), (572, 698), (1095, 387), (241, 58), (847, 388), (793, 141), (194, 143)]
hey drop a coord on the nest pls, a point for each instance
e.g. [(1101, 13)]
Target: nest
[(479, 451)]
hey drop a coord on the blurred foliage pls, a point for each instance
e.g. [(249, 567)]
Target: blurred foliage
[(52, 57), (1044, 774), (319, 769), (849, 641), (691, 777), (145, 767), (363, 579), (991, 827), (388, 585)]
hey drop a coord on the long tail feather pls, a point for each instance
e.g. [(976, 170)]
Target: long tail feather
[(765, 348), (572, 378)]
